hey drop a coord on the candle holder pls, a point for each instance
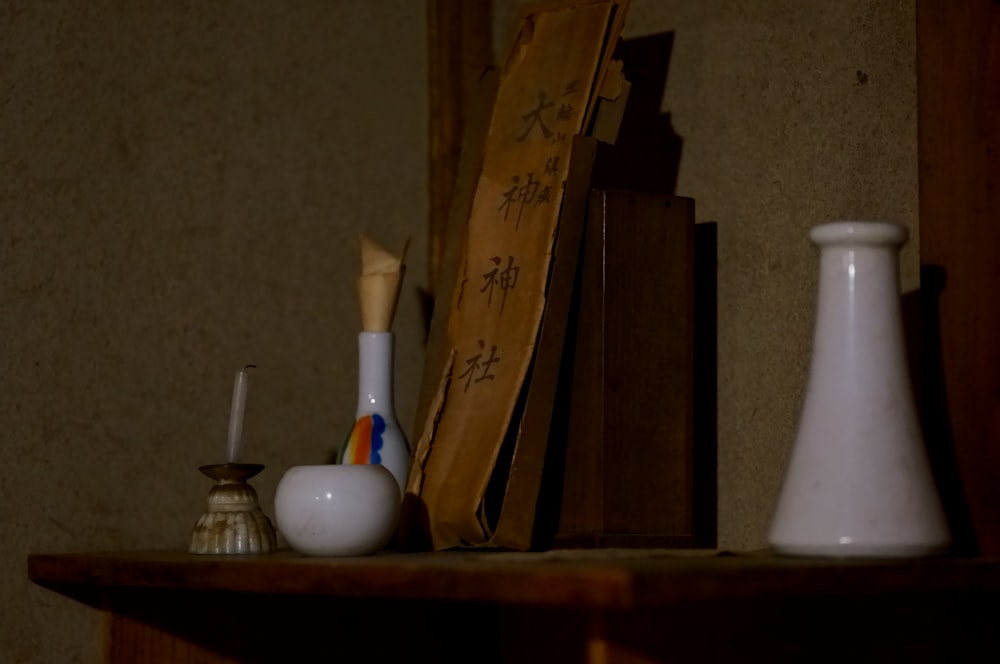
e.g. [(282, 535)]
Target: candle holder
[(234, 522)]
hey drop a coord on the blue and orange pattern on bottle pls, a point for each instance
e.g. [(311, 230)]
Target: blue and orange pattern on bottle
[(365, 442)]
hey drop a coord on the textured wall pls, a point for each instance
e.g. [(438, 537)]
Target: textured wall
[(181, 185), (791, 114)]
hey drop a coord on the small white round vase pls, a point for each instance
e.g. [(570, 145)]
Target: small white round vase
[(337, 510), (859, 483)]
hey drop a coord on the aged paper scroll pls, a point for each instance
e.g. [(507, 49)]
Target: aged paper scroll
[(547, 94)]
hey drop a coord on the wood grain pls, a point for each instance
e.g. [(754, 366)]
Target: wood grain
[(629, 450), (958, 73), (604, 607), (459, 48), (211, 628), (606, 580)]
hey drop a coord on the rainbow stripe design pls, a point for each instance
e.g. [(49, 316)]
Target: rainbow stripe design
[(365, 443)]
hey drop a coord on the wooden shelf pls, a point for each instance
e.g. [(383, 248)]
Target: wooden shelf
[(610, 579), (595, 606)]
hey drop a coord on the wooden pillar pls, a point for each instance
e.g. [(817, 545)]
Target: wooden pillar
[(459, 48), (958, 67)]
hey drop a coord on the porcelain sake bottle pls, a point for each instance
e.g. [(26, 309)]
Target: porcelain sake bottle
[(859, 482), (376, 437)]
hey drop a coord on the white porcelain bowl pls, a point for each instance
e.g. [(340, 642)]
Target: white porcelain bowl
[(337, 510)]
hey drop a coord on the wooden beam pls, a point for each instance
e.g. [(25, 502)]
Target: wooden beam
[(958, 72), (459, 48)]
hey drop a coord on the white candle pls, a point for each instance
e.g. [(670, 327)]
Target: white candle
[(235, 439)]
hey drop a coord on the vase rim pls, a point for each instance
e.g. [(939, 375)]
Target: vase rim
[(864, 232)]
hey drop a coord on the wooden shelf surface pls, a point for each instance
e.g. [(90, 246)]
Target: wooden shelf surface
[(606, 579)]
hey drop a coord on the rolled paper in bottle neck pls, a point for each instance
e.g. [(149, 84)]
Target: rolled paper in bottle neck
[(379, 294), (378, 286)]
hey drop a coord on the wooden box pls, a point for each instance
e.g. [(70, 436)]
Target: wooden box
[(623, 440)]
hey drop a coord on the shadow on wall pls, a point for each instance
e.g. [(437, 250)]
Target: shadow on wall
[(706, 364), (921, 320), (646, 157), (647, 153)]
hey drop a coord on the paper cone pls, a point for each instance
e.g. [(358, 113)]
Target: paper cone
[(378, 286)]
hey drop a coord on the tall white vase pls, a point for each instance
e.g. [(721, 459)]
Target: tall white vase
[(376, 437), (859, 482)]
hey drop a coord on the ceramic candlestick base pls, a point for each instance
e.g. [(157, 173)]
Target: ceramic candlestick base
[(234, 522)]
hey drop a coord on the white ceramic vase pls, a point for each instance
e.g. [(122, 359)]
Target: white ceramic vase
[(859, 482), (376, 437), (337, 510)]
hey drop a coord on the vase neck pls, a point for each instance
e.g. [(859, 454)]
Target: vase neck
[(375, 379), (859, 330), (859, 270)]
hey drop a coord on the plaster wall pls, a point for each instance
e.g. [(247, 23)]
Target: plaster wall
[(181, 186), (180, 189)]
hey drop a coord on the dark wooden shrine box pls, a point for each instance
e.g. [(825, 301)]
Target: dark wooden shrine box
[(631, 454)]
